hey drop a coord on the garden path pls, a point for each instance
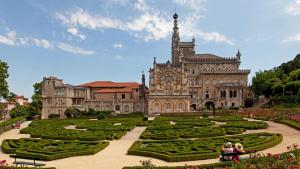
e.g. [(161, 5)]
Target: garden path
[(114, 156), (13, 134)]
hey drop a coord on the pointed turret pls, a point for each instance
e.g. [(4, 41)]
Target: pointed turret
[(238, 55), (143, 79)]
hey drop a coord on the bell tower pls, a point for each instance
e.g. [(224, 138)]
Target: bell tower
[(175, 41)]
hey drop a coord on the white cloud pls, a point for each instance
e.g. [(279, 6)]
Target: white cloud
[(118, 57), (215, 36), (118, 45), (9, 38), (195, 5), (150, 24), (293, 8), (293, 38), (74, 49), (76, 33), (190, 28), (82, 18), (42, 43)]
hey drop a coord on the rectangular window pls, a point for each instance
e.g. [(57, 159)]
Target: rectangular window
[(123, 96)]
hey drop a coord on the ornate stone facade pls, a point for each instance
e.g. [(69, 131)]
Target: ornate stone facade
[(194, 81)]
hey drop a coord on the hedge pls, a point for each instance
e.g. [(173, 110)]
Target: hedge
[(9, 122), (200, 149), (250, 125), (86, 130), (43, 149), (290, 123)]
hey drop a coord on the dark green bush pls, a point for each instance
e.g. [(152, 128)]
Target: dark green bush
[(44, 149), (54, 116), (204, 148)]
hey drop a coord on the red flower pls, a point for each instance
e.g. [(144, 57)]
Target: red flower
[(276, 156), (235, 161)]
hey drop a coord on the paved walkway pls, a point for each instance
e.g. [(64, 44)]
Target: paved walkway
[(114, 156)]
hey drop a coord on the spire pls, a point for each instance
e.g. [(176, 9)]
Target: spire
[(175, 40), (143, 79), (238, 55)]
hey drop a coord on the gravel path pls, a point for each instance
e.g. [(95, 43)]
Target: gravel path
[(114, 156)]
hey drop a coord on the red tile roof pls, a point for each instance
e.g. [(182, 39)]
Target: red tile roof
[(123, 90), (111, 84)]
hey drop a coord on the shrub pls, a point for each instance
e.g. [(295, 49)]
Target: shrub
[(44, 149), (251, 125), (204, 148), (19, 111), (54, 116)]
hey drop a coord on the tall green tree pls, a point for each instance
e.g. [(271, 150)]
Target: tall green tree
[(36, 104), (3, 80)]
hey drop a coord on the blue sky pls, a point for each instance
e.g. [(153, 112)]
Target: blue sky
[(82, 41)]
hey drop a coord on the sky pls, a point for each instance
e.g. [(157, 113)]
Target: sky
[(83, 41)]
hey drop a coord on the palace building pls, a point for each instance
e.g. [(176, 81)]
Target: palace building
[(121, 97), (191, 82)]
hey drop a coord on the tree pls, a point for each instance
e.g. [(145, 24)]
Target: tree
[(36, 104), (291, 65), (19, 111), (294, 75), (3, 80)]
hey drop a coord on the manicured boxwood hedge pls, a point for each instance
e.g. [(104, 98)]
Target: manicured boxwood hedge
[(250, 125), (44, 149), (94, 130), (290, 123), (9, 122), (199, 149), (233, 131), (227, 118), (190, 132)]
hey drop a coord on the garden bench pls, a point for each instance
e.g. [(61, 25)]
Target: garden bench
[(235, 154), (26, 163)]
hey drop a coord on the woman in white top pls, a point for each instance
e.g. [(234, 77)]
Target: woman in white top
[(227, 149)]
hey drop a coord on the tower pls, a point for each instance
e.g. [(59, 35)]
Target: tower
[(175, 41), (238, 55), (143, 79)]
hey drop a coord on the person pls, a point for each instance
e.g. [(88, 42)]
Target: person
[(251, 116), (238, 149), (227, 149)]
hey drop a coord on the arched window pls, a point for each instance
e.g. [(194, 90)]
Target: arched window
[(168, 106), (156, 108), (180, 106), (117, 108), (126, 108)]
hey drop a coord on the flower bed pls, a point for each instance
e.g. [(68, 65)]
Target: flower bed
[(95, 130), (44, 149), (199, 149)]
